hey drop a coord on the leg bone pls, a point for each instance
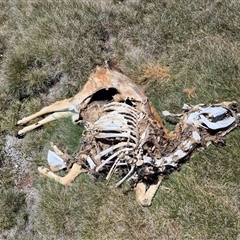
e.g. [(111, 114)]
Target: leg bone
[(47, 119), (73, 173), (59, 106), (143, 196)]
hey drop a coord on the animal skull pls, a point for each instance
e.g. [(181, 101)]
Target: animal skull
[(125, 135)]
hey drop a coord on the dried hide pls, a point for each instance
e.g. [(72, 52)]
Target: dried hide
[(125, 136)]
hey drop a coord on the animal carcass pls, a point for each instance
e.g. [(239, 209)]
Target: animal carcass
[(125, 136)]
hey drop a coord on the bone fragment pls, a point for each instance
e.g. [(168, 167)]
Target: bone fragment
[(214, 111), (167, 113), (186, 107), (196, 136), (144, 137), (55, 162), (147, 159), (56, 149), (139, 163), (193, 119)]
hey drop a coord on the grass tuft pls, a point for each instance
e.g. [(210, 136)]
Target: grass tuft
[(12, 204)]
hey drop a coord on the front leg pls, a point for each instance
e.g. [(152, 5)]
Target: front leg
[(59, 106), (144, 196), (50, 118), (66, 180)]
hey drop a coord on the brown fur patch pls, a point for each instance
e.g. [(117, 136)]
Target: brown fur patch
[(155, 72)]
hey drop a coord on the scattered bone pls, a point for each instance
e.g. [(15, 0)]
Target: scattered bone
[(55, 162)]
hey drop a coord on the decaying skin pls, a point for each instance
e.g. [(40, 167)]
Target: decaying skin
[(125, 136)]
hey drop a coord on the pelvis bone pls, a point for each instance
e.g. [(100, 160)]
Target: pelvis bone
[(125, 136)]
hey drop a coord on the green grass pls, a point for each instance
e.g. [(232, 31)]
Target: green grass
[(47, 51)]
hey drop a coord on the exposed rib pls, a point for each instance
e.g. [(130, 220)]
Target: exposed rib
[(121, 108), (112, 169), (91, 162), (128, 175), (114, 135), (108, 150), (111, 157)]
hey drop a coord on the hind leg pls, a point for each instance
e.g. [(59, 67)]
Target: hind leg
[(144, 196), (66, 180)]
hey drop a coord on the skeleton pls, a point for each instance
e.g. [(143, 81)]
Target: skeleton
[(125, 136)]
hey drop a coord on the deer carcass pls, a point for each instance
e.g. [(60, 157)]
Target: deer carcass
[(125, 136)]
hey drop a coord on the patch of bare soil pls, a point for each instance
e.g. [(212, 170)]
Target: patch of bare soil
[(23, 180)]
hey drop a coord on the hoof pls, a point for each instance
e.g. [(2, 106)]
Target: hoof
[(146, 202), (20, 124), (18, 135)]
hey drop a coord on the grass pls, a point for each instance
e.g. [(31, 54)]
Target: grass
[(47, 51)]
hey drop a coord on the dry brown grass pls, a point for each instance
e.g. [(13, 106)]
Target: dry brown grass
[(154, 73)]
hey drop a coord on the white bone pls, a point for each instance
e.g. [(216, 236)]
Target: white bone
[(56, 149), (112, 169), (127, 176), (186, 107), (134, 121), (55, 161), (110, 149), (111, 122), (193, 119), (144, 136), (118, 104), (122, 164), (196, 136), (167, 113), (147, 159), (139, 163), (91, 163), (214, 111), (114, 135), (186, 145), (121, 108), (219, 124), (111, 157), (179, 154)]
